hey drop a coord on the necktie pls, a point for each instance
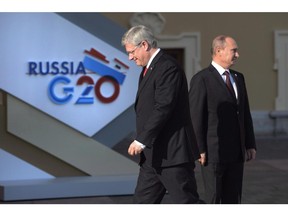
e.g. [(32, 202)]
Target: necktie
[(229, 84), (145, 71)]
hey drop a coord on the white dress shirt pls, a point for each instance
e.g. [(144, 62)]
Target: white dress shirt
[(221, 71)]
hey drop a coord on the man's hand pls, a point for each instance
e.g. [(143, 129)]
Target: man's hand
[(250, 154), (134, 149), (202, 159)]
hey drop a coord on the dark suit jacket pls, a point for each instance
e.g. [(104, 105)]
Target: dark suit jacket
[(222, 124), (162, 115)]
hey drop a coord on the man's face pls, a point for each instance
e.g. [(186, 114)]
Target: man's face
[(135, 53), (229, 54)]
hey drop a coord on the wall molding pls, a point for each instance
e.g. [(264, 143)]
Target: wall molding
[(190, 42), (281, 66)]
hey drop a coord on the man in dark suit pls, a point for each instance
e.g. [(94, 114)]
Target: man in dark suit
[(222, 122), (165, 138)]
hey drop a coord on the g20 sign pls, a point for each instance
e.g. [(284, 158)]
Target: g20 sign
[(85, 89)]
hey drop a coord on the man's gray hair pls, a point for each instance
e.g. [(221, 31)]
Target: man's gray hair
[(219, 41), (137, 34)]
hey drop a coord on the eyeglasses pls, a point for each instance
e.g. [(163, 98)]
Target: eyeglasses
[(133, 51)]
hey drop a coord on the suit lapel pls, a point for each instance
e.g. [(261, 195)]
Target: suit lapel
[(220, 80), (238, 84), (143, 80), (218, 77)]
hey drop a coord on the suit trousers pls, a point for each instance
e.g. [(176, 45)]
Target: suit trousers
[(223, 182), (178, 180)]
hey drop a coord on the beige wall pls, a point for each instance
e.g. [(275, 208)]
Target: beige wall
[(254, 33)]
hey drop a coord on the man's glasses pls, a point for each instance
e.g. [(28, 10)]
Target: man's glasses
[(133, 51)]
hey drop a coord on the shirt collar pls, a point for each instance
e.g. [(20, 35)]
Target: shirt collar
[(220, 69), (152, 57)]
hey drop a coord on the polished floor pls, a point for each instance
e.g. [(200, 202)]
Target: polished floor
[(265, 180)]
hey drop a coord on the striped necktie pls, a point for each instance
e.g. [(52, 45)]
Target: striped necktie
[(229, 84)]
